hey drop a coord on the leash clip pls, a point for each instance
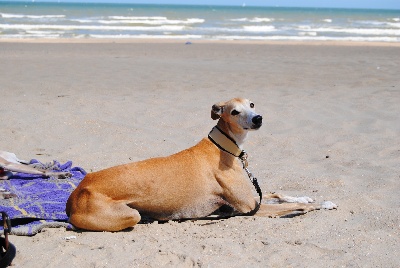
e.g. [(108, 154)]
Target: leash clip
[(243, 157)]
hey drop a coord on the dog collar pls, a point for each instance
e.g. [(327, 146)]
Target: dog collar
[(224, 142)]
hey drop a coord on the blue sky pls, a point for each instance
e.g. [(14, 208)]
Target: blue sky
[(380, 4)]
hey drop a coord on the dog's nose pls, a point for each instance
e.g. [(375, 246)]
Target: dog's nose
[(257, 120)]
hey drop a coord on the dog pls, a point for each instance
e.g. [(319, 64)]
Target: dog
[(190, 184)]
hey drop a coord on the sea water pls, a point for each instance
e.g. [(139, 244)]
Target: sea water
[(190, 22)]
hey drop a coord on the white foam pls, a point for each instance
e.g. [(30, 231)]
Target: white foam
[(20, 16), (370, 22), (327, 20), (91, 27), (394, 24), (28, 36), (152, 21), (370, 31), (240, 19), (83, 20), (308, 33), (256, 19), (304, 27), (33, 32), (358, 31), (379, 23), (136, 18), (264, 28)]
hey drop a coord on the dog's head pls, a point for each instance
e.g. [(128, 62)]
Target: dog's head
[(239, 112)]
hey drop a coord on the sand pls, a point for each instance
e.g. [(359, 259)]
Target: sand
[(331, 132)]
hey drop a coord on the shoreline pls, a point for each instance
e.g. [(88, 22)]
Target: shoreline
[(202, 41)]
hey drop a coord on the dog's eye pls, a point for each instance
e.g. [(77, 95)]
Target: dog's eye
[(234, 112), (251, 105)]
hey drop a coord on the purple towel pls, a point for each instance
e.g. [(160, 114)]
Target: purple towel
[(40, 201)]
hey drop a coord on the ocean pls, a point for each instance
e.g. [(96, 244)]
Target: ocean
[(37, 20)]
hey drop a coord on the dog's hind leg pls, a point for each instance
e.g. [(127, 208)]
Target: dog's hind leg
[(97, 212)]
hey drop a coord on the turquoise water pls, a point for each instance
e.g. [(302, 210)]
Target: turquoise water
[(82, 20)]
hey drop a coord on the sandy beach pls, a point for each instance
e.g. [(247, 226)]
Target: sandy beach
[(331, 132)]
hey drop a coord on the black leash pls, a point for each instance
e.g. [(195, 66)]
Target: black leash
[(7, 250), (254, 181)]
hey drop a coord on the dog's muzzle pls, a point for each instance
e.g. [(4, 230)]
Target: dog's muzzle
[(257, 121)]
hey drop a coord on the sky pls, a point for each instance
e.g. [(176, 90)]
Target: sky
[(379, 4)]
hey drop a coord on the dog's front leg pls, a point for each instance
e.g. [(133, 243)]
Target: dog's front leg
[(238, 194), (278, 205)]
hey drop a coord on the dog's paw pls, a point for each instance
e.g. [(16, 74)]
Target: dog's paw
[(304, 200), (328, 205), (301, 199)]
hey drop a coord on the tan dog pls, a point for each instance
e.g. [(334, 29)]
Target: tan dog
[(190, 184)]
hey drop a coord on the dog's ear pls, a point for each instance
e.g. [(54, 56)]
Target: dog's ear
[(216, 110)]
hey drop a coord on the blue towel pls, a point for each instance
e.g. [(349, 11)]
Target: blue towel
[(40, 201)]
